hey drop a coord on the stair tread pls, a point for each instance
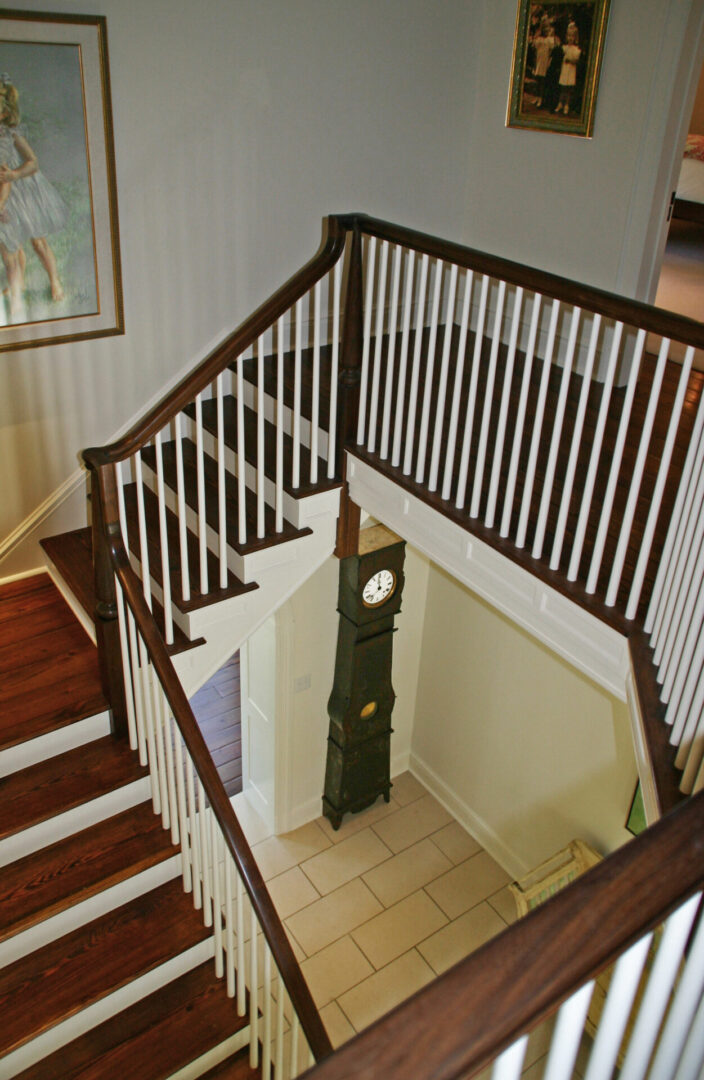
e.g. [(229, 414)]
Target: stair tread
[(209, 412), (153, 1038), (73, 550), (236, 1067), (58, 784), (234, 587), (49, 674), (249, 371), (58, 980), (50, 880), (253, 543)]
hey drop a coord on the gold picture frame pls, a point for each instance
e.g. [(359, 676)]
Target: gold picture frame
[(557, 54), (60, 276)]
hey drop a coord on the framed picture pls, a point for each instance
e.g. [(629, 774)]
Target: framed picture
[(557, 55), (59, 246)]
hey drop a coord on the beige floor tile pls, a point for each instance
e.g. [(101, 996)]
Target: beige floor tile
[(291, 891), (413, 823), (353, 823), (474, 880), (451, 944), (279, 853), (407, 872), (334, 970), (406, 789), (503, 902), (397, 930), (346, 860), (456, 843), (336, 1024), (326, 920), (378, 994)]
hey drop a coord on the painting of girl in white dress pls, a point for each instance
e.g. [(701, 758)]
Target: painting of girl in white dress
[(59, 249), (557, 56)]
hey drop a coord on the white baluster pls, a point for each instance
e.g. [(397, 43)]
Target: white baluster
[(366, 342), (537, 427), (141, 520), (298, 350), (508, 1065), (613, 1020), (586, 504), (415, 370), (488, 403), (222, 518), (378, 344), (261, 479), (503, 410), (442, 388), (266, 1010), (170, 774), (687, 1001), (181, 504), (403, 360), (637, 476), (200, 476), (656, 498), (126, 667), (279, 500), (472, 400), (428, 376), (149, 723), (575, 446), (391, 355), (194, 833), (229, 925), (295, 1035), (119, 483), (279, 1062), (164, 543), (689, 670), (215, 839), (678, 653), (657, 994), (457, 389), (241, 981), (556, 436), (616, 459), (158, 722), (315, 396), (205, 861), (569, 1028), (186, 853), (253, 994), (673, 551), (137, 689), (334, 368), (691, 751), (520, 418)]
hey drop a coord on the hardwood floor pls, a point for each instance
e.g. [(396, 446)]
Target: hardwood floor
[(217, 709)]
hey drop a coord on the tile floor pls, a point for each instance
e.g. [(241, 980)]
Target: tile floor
[(381, 907)]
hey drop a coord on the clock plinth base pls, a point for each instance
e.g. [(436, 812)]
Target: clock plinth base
[(335, 814), (356, 776)]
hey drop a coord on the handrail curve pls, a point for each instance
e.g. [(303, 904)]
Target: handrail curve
[(233, 835), (330, 250)]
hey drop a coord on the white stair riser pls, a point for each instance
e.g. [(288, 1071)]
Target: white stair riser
[(54, 742), (80, 817), (35, 937), (50, 1041), (208, 1061)]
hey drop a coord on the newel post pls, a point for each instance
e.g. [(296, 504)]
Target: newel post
[(348, 397), (107, 631)]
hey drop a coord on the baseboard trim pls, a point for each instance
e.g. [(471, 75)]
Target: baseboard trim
[(22, 575), (469, 819)]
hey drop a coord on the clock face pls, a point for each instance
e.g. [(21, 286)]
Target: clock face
[(379, 588)]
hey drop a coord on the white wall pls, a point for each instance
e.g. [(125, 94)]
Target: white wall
[(530, 752), (238, 125), (312, 621)]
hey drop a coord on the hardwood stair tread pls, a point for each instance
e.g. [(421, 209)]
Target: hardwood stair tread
[(49, 674), (58, 876), (70, 553), (250, 374), (74, 971), (234, 587), (236, 1067), (153, 1038), (209, 412), (253, 543), (51, 787)]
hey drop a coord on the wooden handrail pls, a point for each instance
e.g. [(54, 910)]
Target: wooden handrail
[(460, 1022), (631, 312), (330, 250), (230, 827)]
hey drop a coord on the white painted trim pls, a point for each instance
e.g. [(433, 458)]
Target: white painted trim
[(22, 575), (55, 742), (84, 617), (469, 819)]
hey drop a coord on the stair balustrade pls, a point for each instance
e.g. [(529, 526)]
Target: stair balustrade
[(562, 425)]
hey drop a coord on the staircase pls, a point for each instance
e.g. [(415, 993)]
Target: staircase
[(106, 968)]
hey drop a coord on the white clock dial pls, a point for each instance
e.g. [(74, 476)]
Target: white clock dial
[(378, 588)]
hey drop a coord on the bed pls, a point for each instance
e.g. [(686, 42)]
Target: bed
[(689, 198)]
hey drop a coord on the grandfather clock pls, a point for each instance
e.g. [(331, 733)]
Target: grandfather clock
[(362, 698)]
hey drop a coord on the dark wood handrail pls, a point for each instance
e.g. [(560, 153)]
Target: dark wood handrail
[(631, 312), (230, 827), (331, 248), (459, 1023)]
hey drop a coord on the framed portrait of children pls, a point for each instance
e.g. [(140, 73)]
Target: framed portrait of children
[(557, 55), (59, 244)]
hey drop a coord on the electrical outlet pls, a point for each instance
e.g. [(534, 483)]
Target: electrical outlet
[(301, 683)]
